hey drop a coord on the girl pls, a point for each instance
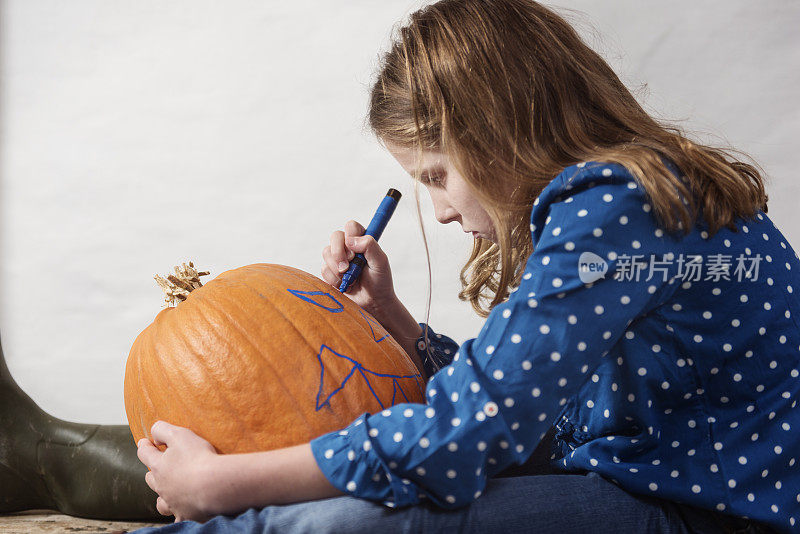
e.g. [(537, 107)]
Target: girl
[(641, 317)]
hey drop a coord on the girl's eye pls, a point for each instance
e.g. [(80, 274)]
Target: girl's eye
[(436, 179)]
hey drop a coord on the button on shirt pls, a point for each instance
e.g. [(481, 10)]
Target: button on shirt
[(667, 363)]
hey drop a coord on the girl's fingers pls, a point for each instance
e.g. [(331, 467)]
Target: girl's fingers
[(162, 507), (338, 250), (329, 277), (337, 256), (162, 432), (372, 252), (354, 228), (150, 480), (147, 452), (331, 262)]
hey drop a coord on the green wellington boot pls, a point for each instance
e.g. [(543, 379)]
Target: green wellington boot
[(83, 470)]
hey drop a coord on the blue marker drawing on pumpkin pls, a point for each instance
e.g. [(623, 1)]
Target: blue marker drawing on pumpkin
[(363, 371), (370, 322), (308, 296), (305, 295)]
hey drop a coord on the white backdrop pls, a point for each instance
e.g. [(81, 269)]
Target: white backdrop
[(138, 134)]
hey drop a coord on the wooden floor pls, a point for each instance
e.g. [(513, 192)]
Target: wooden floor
[(50, 521)]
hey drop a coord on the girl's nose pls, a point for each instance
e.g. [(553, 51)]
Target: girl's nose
[(446, 216), (453, 216), (442, 209)]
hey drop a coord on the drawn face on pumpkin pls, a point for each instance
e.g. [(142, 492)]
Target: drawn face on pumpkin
[(262, 357), (453, 199)]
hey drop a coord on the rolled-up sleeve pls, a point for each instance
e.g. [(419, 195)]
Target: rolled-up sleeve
[(494, 402), (434, 349)]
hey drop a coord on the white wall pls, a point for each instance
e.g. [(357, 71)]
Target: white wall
[(138, 134)]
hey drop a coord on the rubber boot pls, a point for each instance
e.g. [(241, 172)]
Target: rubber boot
[(83, 470)]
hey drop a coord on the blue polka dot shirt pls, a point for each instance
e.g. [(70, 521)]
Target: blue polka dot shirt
[(666, 363)]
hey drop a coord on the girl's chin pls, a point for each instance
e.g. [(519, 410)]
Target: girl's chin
[(477, 235)]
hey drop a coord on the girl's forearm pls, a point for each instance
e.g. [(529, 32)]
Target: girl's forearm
[(399, 322), (237, 482)]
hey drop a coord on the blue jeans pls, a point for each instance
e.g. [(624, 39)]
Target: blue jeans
[(548, 503), (533, 497)]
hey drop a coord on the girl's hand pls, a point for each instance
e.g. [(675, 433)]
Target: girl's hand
[(178, 474), (373, 290)]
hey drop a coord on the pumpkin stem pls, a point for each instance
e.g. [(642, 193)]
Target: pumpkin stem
[(178, 286)]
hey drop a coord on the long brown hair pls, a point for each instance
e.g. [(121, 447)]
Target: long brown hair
[(511, 94)]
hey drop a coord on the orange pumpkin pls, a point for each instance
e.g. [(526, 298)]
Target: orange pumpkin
[(262, 357)]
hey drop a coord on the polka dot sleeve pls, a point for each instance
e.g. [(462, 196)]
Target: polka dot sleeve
[(490, 407), (435, 351)]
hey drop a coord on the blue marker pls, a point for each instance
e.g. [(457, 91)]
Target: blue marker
[(375, 229)]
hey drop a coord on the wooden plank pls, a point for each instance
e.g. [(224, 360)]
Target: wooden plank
[(50, 521)]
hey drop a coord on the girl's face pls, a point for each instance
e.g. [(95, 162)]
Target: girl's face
[(451, 195)]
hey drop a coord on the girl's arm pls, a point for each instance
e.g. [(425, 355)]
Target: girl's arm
[(410, 334), (282, 476), (504, 389), (399, 322), (194, 482)]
